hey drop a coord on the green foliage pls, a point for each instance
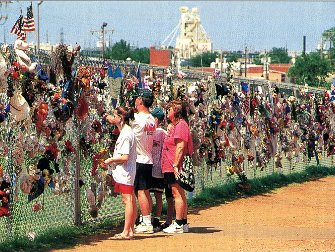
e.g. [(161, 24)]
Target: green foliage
[(233, 56), (141, 55), (215, 195), (91, 53), (120, 51), (230, 191), (69, 236), (257, 60), (329, 34), (205, 58), (310, 68), (60, 237), (279, 55)]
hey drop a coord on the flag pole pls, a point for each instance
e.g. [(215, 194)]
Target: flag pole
[(38, 28)]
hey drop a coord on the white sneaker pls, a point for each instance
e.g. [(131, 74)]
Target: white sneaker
[(143, 228), (185, 228), (174, 228)]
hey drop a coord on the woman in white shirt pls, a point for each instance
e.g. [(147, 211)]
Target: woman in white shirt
[(123, 168)]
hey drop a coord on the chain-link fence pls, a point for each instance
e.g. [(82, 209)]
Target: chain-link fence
[(54, 208)]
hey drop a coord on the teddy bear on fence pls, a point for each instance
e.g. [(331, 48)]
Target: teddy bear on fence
[(20, 47), (4, 193)]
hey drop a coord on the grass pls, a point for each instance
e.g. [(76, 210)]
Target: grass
[(230, 191), (68, 236), (60, 237)]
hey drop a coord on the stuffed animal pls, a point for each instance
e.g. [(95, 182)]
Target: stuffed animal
[(95, 198), (40, 115), (4, 194), (19, 47), (4, 54), (4, 206), (91, 201)]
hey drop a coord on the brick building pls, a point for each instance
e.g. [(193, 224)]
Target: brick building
[(159, 57)]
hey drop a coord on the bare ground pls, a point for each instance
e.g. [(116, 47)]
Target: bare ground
[(299, 217)]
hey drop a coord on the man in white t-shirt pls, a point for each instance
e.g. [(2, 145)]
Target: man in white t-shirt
[(144, 128)]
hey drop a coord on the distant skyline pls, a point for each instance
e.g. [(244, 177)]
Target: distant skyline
[(231, 25)]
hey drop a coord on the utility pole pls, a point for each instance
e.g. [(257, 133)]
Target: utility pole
[(266, 66), (102, 31), (321, 48), (61, 36), (221, 62), (245, 61), (304, 46), (4, 35)]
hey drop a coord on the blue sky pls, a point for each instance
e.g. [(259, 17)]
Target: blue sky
[(231, 25)]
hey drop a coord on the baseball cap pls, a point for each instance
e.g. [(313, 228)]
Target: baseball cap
[(158, 112), (144, 92)]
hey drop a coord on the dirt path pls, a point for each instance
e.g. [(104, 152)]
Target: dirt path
[(300, 217)]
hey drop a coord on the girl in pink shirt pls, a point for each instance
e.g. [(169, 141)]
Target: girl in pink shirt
[(176, 145)]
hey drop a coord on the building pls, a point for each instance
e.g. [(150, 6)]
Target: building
[(193, 39), (47, 47), (272, 72), (160, 57), (275, 72)]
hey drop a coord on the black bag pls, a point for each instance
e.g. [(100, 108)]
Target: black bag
[(186, 177)]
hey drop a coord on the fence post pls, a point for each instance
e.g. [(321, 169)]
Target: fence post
[(203, 168), (12, 176), (273, 165), (77, 206)]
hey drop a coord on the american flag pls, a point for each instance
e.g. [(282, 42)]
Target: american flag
[(246, 105), (28, 21), (17, 28)]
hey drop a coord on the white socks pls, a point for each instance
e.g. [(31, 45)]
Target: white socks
[(147, 219)]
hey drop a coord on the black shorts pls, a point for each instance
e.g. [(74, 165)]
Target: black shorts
[(168, 192), (157, 185), (169, 179), (143, 178)]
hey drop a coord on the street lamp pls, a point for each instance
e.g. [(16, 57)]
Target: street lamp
[(245, 61), (104, 24)]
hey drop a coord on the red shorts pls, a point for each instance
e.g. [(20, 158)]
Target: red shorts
[(125, 189)]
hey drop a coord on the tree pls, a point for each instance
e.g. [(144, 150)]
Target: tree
[(141, 55), (310, 69), (279, 55), (120, 50), (91, 52), (205, 59), (258, 60), (234, 56), (329, 36)]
